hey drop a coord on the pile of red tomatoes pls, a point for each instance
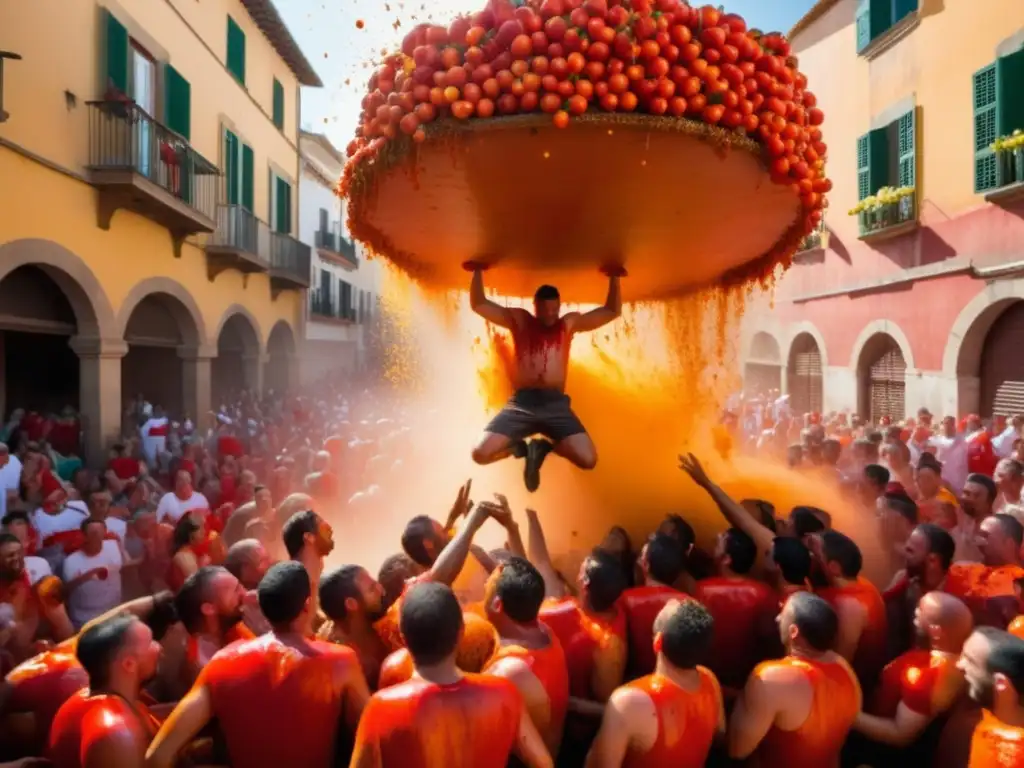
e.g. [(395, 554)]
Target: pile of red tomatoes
[(568, 57)]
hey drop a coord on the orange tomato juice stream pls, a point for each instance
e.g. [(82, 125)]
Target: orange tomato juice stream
[(647, 387)]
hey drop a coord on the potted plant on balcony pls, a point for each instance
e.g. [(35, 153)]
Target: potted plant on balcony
[(1009, 158), (887, 207)]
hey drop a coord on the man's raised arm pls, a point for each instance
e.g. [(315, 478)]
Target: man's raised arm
[(487, 309), (612, 309)]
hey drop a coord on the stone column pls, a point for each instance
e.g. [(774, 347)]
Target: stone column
[(99, 393), (254, 365), (196, 388)]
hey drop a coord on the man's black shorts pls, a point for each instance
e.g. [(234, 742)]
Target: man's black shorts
[(546, 412)]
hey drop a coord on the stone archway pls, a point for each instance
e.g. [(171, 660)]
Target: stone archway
[(163, 329), (805, 374), (58, 342), (238, 364), (281, 368), (763, 371), (962, 358), (883, 359)]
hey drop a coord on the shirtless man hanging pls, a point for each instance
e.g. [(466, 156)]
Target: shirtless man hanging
[(540, 406)]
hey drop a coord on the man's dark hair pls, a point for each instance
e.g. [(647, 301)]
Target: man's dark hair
[(605, 579), (15, 516), (257, 488), (793, 559), (816, 620), (1011, 528), (394, 572), (295, 529), (431, 622), (283, 593), (939, 543), (986, 482), (1005, 656), (680, 530), (183, 531), (417, 533), (686, 635), (336, 587), (546, 293), (805, 520), (904, 506), (877, 475), (831, 450), (91, 521), (195, 593), (664, 559), (163, 616), (741, 549), (9, 538), (521, 589), (99, 645), (840, 548)]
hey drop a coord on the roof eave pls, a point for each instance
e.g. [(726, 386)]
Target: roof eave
[(267, 18)]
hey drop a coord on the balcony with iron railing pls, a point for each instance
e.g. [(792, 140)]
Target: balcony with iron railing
[(241, 241), (333, 246), (290, 262), (140, 165), (1009, 154), (812, 248), (324, 306), (888, 214)]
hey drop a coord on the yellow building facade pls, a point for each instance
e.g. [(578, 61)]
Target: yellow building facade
[(149, 173)]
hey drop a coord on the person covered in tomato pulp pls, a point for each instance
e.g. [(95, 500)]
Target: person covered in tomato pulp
[(539, 406)]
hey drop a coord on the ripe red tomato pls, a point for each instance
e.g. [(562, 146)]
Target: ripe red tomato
[(507, 104), (550, 102), (462, 110), (555, 28), (577, 104), (559, 67), (628, 101), (658, 106), (484, 108), (710, 16), (609, 102), (561, 119), (815, 116), (521, 47), (690, 52), (713, 114), (619, 83), (529, 101), (680, 34)]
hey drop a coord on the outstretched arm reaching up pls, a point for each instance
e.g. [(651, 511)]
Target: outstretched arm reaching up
[(487, 309), (612, 309), (734, 513)]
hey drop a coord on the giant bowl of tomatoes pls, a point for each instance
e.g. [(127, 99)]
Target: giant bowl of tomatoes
[(550, 137)]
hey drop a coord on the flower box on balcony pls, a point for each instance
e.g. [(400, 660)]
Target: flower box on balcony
[(887, 214), (1009, 152)]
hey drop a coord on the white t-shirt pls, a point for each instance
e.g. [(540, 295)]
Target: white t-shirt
[(68, 519), (117, 526), (171, 509), (952, 452), (10, 474), (96, 596), (37, 568)]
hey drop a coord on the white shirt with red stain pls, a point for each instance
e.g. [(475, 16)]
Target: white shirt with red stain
[(68, 520), (98, 595), (171, 509)]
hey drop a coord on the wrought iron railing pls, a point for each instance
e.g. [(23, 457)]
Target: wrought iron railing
[(289, 258), (124, 137), (888, 215), (323, 305), (811, 241), (238, 228), (336, 242)]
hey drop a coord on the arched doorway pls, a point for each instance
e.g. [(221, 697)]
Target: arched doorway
[(37, 320), (762, 375), (1002, 366), (159, 326), (280, 358), (236, 366), (881, 376), (804, 378)]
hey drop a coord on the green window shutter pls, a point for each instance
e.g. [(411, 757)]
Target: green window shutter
[(902, 8), (881, 17), (284, 207), (236, 51), (117, 54), (863, 174), (878, 160), (278, 104), (248, 169), (177, 102), (231, 167), (907, 150), (1010, 93), (863, 20), (985, 128)]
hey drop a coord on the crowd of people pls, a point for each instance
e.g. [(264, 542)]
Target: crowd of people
[(174, 608)]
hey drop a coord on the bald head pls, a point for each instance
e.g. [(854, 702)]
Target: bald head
[(247, 561), (945, 620)]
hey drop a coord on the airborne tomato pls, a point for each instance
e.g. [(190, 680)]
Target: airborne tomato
[(561, 119)]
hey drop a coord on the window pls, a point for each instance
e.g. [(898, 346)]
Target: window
[(278, 104), (324, 227), (239, 166), (887, 156), (280, 204), (345, 294), (998, 112), (236, 51), (876, 17), (177, 102)]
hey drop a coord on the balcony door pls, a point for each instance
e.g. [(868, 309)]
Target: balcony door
[(144, 95)]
